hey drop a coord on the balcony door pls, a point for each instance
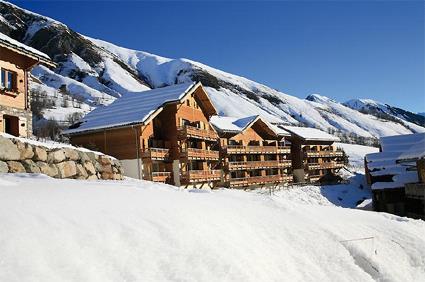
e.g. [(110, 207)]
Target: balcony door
[(11, 125)]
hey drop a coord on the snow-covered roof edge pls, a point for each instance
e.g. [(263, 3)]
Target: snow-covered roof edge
[(313, 134), (10, 43)]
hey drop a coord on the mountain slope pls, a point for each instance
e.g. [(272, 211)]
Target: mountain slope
[(96, 72)]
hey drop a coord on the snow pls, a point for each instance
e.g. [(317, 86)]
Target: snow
[(307, 133), (19, 45), (356, 153), (132, 108), (71, 230), (232, 124)]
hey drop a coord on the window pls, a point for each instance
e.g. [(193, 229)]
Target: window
[(8, 80)]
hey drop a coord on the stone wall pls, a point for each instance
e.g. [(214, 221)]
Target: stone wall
[(18, 156)]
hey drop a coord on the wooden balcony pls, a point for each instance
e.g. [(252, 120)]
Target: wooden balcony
[(239, 149), (323, 154), (314, 178), (259, 180), (200, 154), (258, 165), (185, 132), (156, 154), (161, 176), (327, 165), (193, 176)]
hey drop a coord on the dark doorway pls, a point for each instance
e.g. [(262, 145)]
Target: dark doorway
[(11, 125)]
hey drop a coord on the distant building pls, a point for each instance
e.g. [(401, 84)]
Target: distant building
[(396, 175), (253, 154), (16, 61), (313, 154)]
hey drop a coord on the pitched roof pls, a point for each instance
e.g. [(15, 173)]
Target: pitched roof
[(10, 43), (397, 160), (133, 108), (232, 124), (310, 134)]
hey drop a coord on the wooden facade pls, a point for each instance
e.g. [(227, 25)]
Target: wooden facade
[(176, 146), (15, 110), (312, 159), (255, 157)]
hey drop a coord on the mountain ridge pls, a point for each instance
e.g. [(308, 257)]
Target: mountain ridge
[(93, 72)]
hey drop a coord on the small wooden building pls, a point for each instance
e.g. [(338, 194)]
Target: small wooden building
[(16, 61), (252, 152), (395, 175), (313, 153), (160, 135)]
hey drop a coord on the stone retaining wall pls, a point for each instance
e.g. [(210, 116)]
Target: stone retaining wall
[(17, 156)]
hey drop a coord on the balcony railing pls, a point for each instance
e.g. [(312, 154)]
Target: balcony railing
[(194, 132), (323, 154), (258, 180), (200, 154), (327, 165), (239, 149), (161, 176), (258, 164), (201, 175), (156, 154)]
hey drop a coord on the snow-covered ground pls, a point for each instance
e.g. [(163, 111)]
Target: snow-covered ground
[(70, 230), (356, 154)]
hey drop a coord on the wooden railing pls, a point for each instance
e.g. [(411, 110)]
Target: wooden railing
[(258, 164), (327, 165), (239, 149), (201, 175), (200, 154), (323, 154), (161, 176), (258, 180), (194, 132), (156, 153)]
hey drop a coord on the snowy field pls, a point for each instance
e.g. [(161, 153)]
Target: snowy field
[(69, 230)]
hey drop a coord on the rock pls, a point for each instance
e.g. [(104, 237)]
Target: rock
[(15, 167), (104, 160), (107, 169), (30, 166), (25, 149), (40, 154), (71, 154), (107, 175), (56, 156), (83, 157), (81, 171), (49, 170), (67, 169), (92, 156), (92, 177), (3, 167), (90, 168), (9, 151)]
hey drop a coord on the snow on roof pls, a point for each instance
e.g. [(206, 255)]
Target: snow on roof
[(232, 124), (279, 130), (397, 159), (132, 108), (10, 41), (309, 133)]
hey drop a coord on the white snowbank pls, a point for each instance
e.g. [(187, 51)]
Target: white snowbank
[(69, 230)]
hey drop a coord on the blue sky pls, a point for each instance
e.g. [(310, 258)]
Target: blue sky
[(342, 50)]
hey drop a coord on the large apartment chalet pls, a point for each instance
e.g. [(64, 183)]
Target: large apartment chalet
[(253, 153), (313, 154), (161, 135), (16, 60)]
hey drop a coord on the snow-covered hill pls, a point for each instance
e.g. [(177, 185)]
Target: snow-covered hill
[(96, 72), (71, 230)]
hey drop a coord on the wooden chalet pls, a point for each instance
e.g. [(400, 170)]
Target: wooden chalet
[(313, 154), (160, 135), (252, 153), (396, 175), (16, 61)]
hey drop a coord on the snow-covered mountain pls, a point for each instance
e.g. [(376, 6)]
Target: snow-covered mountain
[(93, 72)]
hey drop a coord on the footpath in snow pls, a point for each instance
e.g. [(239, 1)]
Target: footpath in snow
[(69, 230)]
